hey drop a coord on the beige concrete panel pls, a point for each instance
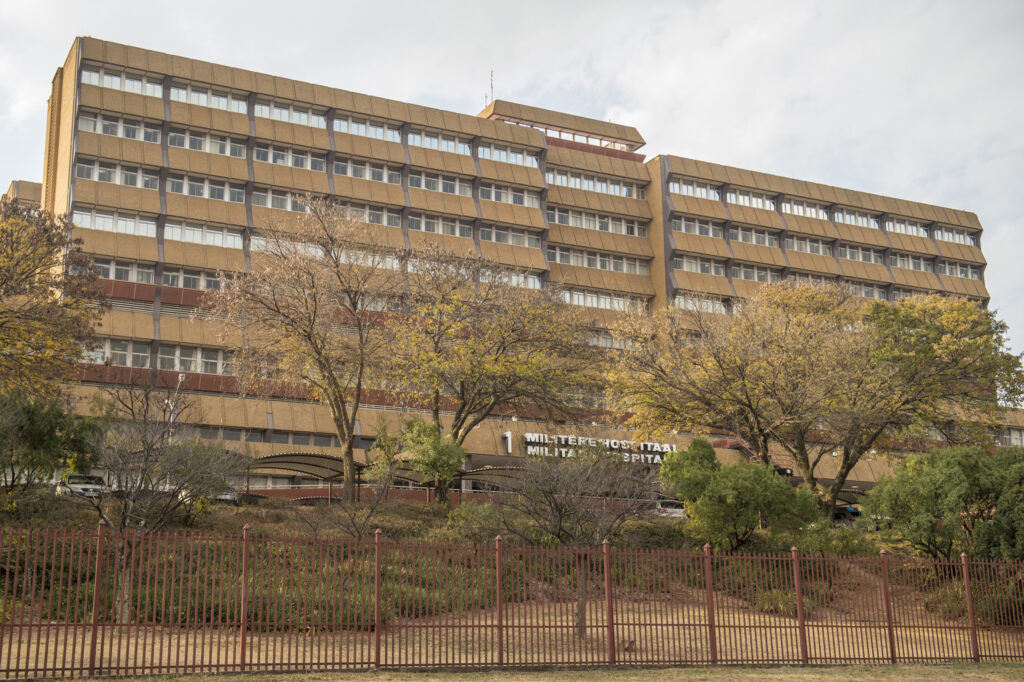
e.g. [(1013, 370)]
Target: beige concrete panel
[(128, 325), (458, 245), (811, 262), (228, 167), (137, 105), (229, 122), (492, 170), (964, 287), (869, 271), (694, 243), (113, 100), (97, 241), (200, 118), (745, 288), (354, 188), (706, 208), (179, 160), (811, 226), (702, 283), (915, 278), (912, 243), (755, 216), (754, 253), (196, 163), (963, 252), (862, 235), (389, 236)]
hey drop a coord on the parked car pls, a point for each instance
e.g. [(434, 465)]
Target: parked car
[(81, 485), (229, 496), (669, 509), (845, 516)]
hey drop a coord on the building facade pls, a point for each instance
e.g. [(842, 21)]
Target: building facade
[(170, 167)]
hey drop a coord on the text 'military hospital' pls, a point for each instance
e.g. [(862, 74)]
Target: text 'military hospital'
[(170, 167)]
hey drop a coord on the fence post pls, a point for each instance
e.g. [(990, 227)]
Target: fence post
[(798, 587), (498, 596), (243, 609), (887, 598), (376, 598), (97, 580), (708, 586), (970, 609), (608, 603)]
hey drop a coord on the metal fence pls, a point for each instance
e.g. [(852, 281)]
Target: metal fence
[(80, 603)]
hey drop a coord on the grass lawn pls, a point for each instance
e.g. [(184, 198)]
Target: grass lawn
[(960, 671)]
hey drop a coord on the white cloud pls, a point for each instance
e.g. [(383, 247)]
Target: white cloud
[(919, 100)]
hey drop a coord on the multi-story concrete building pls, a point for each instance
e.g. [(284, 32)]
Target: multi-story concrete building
[(170, 166)]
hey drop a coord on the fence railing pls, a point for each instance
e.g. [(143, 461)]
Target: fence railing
[(77, 603)]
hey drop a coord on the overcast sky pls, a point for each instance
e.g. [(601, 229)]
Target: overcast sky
[(919, 100)]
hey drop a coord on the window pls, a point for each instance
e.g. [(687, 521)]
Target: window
[(126, 271), (122, 353), (907, 261), (106, 172), (755, 273), (192, 359), (953, 269), (704, 266), (861, 253), (203, 234), (353, 125), (693, 188), (808, 278), (852, 217), (603, 299), (509, 235), (707, 303), (601, 261), (743, 197), (949, 234), (176, 138), (752, 235), (592, 221), (805, 208), (498, 152), (111, 222), (151, 133), (704, 228), (867, 290), (808, 245), (442, 225), (510, 195), (613, 186)]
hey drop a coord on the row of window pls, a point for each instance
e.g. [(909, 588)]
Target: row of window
[(440, 225), (752, 235), (592, 183), (707, 303), (289, 113), (127, 271), (861, 253), (114, 222), (126, 82), (201, 142), (206, 188), (953, 269), (600, 261), (510, 195), (604, 300), (439, 141), (209, 235), (131, 176), (122, 353), (513, 155), (910, 262), (694, 188), (755, 273), (948, 234), (742, 197), (526, 280), (353, 125), (130, 129), (377, 172), (808, 245), (510, 235), (704, 228), (698, 264), (295, 158), (449, 184), (592, 221), (805, 208)]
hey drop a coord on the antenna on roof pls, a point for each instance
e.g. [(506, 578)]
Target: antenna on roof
[(492, 85)]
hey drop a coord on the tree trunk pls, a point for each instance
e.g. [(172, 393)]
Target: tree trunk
[(441, 492), (581, 595), (348, 488)]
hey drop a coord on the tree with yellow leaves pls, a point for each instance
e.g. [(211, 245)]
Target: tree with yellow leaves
[(815, 371), (48, 305)]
